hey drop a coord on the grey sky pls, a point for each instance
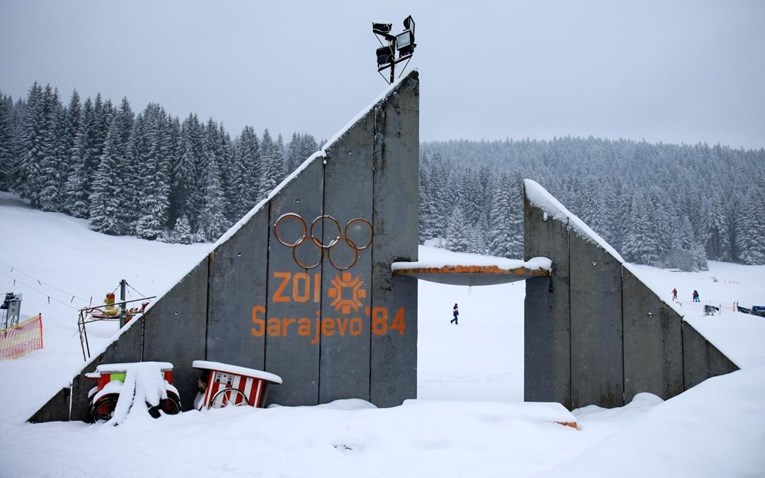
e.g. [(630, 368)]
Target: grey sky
[(669, 70)]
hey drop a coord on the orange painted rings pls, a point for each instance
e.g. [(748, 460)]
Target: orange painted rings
[(341, 237)]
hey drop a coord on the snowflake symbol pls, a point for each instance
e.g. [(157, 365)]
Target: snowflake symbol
[(342, 282)]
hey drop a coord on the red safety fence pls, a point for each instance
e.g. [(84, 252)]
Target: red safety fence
[(21, 339)]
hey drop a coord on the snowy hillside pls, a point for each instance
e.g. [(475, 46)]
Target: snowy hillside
[(469, 418)]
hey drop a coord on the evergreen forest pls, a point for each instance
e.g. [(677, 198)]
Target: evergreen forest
[(151, 175), (148, 174)]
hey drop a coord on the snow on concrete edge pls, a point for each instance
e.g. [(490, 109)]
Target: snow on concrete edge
[(434, 257), (539, 197)]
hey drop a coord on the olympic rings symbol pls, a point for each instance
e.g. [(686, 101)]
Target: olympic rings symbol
[(307, 236)]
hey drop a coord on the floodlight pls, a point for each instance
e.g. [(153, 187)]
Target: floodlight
[(405, 43), (381, 27), (385, 55)]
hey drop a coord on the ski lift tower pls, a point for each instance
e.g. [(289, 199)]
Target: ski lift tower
[(394, 48), (12, 306)]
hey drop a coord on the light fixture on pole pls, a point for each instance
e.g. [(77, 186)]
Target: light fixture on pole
[(396, 48)]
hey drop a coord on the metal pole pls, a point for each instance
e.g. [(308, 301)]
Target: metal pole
[(123, 283), (393, 63)]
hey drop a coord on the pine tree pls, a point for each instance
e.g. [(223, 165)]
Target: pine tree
[(212, 219), (182, 232), (186, 198), (716, 233), (444, 197), (111, 196), (427, 206), (35, 145), (78, 185), (749, 241), (54, 164), (476, 241), (245, 173), (7, 166), (505, 235), (272, 165), (174, 148), (151, 151), (224, 152), (640, 243), (458, 232), (281, 159), (68, 153), (301, 147)]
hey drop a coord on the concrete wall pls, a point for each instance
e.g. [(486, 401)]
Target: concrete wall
[(594, 333), (547, 328), (343, 329)]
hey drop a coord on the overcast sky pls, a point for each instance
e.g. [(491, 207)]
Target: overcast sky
[(676, 71)]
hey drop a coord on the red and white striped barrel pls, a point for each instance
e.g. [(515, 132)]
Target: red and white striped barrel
[(233, 385)]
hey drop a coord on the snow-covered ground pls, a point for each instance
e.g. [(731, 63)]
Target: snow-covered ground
[(469, 419)]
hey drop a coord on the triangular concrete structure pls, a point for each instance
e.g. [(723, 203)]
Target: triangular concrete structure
[(594, 332), (302, 286)]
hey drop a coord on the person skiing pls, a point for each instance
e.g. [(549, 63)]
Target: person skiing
[(696, 296), (456, 313), (674, 294)]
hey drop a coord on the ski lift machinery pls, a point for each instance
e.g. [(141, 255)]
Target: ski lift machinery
[(109, 310)]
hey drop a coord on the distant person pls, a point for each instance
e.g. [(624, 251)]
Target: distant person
[(696, 296), (456, 314), (674, 294)]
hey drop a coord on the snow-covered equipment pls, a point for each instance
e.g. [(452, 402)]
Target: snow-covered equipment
[(120, 385), (755, 310), (711, 310), (109, 310), (221, 385)]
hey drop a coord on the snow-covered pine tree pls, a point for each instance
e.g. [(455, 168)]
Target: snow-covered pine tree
[(127, 172), (109, 193), (67, 151), (182, 233), (212, 219), (458, 232), (300, 148), (173, 158), (35, 147), (224, 152), (78, 184), (280, 153), (427, 207), (7, 165), (716, 232), (212, 214), (151, 150), (444, 196), (245, 173), (640, 243), (56, 161), (272, 166), (751, 231), (505, 234), (680, 255), (187, 197), (476, 239)]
